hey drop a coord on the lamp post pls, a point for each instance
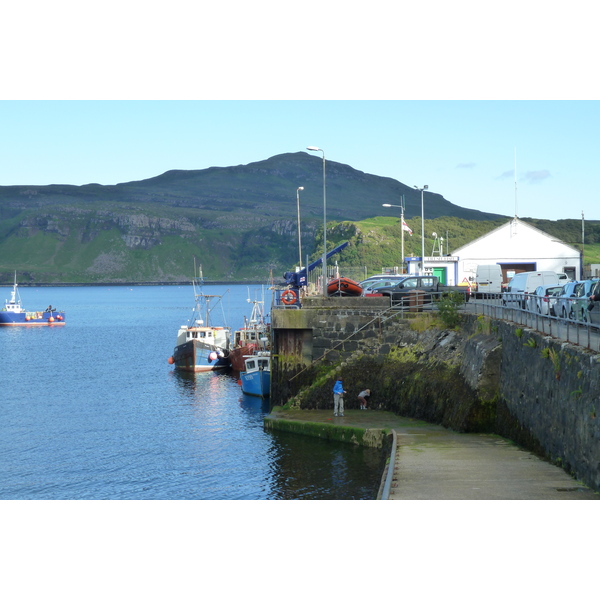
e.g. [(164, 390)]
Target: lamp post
[(425, 187), (401, 207), (316, 149), (299, 242)]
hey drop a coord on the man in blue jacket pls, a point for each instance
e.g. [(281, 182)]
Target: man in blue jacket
[(338, 398)]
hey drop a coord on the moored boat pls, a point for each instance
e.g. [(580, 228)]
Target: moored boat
[(201, 346), (255, 379), (14, 314), (342, 286), (253, 337)]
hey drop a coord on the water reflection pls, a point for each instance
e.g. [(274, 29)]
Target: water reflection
[(271, 464), (255, 404)]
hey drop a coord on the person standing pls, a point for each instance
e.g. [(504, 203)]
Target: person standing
[(338, 398), (363, 397)]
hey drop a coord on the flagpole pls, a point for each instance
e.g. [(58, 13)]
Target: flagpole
[(402, 225), (402, 228)]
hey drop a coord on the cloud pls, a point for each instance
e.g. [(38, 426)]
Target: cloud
[(470, 165), (529, 177), (536, 176)]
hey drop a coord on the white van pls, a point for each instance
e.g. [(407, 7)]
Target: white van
[(526, 283), (488, 279)]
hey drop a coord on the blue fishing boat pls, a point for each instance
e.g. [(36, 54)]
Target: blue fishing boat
[(14, 314), (256, 378)]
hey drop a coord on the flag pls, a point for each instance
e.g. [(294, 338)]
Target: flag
[(406, 228)]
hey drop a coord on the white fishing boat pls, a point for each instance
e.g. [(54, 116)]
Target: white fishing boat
[(202, 346)]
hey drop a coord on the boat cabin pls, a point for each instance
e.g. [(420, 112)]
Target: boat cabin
[(258, 363), (212, 336), (243, 337), (14, 304)]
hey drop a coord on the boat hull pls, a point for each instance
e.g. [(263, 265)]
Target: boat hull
[(193, 357), (238, 356), (342, 286), (36, 318), (256, 383)]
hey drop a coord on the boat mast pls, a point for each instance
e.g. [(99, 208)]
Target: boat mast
[(202, 307)]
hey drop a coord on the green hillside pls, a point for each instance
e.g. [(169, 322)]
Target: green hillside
[(239, 222)]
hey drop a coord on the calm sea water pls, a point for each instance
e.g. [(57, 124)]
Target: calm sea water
[(92, 410)]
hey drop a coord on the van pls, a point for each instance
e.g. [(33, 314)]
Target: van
[(526, 283), (488, 279)]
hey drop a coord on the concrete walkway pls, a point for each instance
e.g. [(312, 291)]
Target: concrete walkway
[(434, 463)]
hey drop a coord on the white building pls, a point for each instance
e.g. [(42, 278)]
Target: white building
[(516, 246)]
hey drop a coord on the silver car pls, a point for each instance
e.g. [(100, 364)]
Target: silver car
[(593, 307), (564, 306), (543, 300), (369, 286), (580, 305)]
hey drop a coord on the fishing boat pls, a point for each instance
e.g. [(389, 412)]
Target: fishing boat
[(14, 314), (342, 286), (200, 345), (255, 379), (253, 337)]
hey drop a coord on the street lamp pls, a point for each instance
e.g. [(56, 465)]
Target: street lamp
[(425, 187), (316, 149), (401, 207), (298, 205)]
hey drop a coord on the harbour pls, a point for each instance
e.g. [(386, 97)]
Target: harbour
[(92, 410)]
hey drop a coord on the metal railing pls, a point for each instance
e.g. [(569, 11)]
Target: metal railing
[(523, 310)]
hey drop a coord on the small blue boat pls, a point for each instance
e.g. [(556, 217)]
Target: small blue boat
[(256, 379)]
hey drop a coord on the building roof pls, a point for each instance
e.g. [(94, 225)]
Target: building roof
[(516, 238)]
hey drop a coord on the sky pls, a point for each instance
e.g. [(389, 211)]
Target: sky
[(465, 150)]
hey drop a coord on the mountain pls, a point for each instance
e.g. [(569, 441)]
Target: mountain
[(239, 222)]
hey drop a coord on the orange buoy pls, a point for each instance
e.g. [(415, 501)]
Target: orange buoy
[(171, 361), (51, 320)]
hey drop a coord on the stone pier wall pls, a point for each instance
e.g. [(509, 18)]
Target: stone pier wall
[(487, 376)]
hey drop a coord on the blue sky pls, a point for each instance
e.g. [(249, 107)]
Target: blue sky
[(438, 94), (464, 150)]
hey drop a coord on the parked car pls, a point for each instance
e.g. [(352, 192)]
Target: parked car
[(370, 287), (425, 288), (375, 278), (543, 299), (564, 302), (593, 307), (523, 284), (488, 280), (580, 305)]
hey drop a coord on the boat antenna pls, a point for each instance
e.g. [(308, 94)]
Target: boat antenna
[(515, 174)]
